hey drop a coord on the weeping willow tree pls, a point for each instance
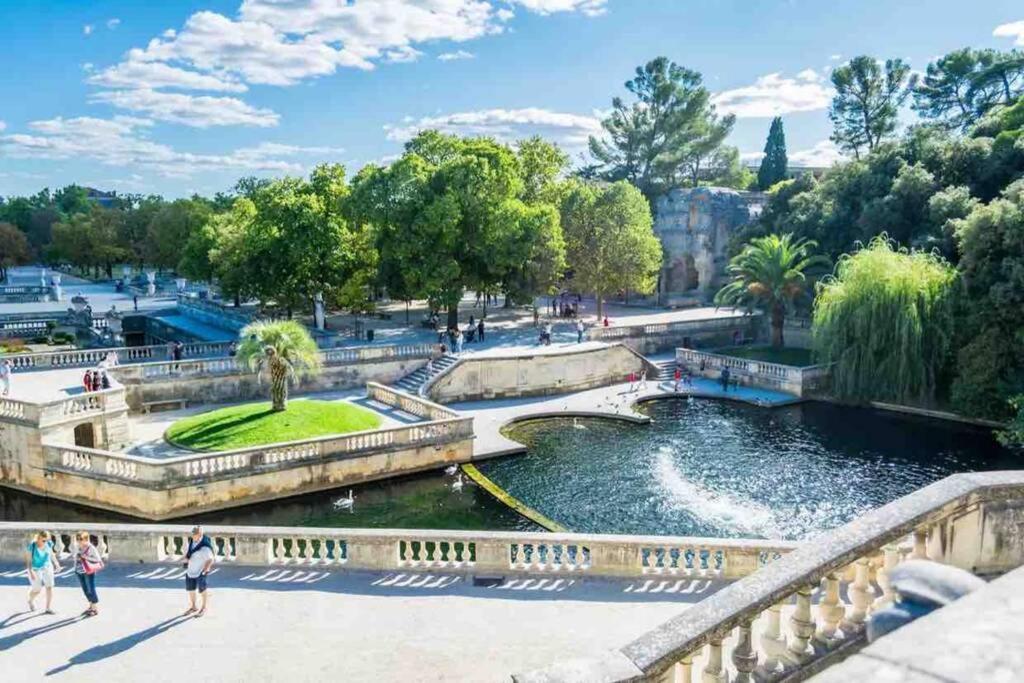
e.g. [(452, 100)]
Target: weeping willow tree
[(885, 319), (283, 350)]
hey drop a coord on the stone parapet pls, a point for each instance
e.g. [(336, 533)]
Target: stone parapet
[(656, 337), (799, 381)]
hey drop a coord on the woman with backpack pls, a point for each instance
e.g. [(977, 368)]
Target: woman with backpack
[(87, 563)]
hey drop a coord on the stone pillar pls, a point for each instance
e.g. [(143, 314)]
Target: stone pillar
[(58, 293), (318, 311), (150, 283)]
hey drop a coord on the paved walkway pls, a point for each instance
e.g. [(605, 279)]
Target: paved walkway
[(49, 385), (308, 625), (101, 296), (613, 401)]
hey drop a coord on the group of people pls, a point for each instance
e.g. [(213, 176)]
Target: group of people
[(566, 305), (95, 380), (475, 331), (42, 566), (545, 334)]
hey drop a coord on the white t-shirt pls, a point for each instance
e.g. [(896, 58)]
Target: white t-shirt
[(198, 561)]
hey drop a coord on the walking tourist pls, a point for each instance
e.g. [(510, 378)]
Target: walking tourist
[(104, 380), (135, 301), (676, 376), (632, 380), (480, 329), (110, 360), (724, 379), (199, 560), (41, 563), (579, 331), (87, 563), (87, 380), (5, 376), (547, 334), (643, 379), (606, 323), (458, 341)]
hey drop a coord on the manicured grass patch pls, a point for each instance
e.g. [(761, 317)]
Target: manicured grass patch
[(800, 358), (255, 424)]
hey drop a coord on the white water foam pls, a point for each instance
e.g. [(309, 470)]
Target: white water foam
[(718, 509)]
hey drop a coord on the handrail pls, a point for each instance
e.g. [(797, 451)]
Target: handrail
[(966, 520), (80, 358), (698, 559), (651, 329)]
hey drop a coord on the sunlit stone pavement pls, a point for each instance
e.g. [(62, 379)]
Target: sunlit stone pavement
[(300, 624)]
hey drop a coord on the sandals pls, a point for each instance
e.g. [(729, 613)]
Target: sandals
[(90, 612), (200, 613), (190, 610)]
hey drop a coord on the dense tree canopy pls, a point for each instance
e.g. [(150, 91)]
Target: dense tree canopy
[(774, 164), (609, 239), (885, 319), (14, 249)]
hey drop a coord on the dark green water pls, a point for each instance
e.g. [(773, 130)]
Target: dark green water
[(716, 468), (425, 501)]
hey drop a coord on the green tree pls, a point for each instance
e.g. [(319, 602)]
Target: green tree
[(1001, 78), (774, 165), (771, 273), (450, 215), (541, 164), (1013, 435), (610, 242), (865, 109), (667, 133), (90, 240), (990, 368), (14, 249), (284, 350), (947, 93), (169, 229), (885, 320)]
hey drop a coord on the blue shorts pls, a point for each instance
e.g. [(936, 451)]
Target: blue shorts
[(198, 582)]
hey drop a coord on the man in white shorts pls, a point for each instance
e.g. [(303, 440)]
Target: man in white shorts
[(41, 562)]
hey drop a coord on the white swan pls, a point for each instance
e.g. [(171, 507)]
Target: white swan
[(451, 469), (457, 484), (345, 503), (576, 424)]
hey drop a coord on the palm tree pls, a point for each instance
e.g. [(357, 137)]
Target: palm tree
[(771, 273), (281, 348)]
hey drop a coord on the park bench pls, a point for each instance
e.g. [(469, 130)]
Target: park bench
[(164, 404)]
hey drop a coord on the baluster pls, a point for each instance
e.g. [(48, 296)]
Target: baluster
[(860, 596), (307, 550), (682, 671), (279, 555), (744, 656), (920, 545), (801, 626), (714, 672), (831, 611), (891, 558), (773, 643)]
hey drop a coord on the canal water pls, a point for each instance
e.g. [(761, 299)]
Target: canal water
[(702, 467)]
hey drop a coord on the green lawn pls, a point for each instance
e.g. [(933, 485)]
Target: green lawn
[(800, 358), (254, 424)]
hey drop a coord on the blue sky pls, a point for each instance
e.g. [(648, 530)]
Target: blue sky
[(186, 96)]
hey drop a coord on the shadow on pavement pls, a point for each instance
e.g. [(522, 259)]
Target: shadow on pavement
[(116, 647)]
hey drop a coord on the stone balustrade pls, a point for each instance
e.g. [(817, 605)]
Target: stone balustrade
[(85, 358), (656, 337), (828, 589), (490, 552), (69, 408), (801, 381), (414, 405), (34, 324)]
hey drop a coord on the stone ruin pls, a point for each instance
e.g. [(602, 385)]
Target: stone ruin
[(694, 226)]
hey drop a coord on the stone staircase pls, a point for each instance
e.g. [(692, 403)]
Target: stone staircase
[(414, 381), (666, 370)]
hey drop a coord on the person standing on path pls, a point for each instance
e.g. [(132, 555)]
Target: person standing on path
[(5, 376), (725, 379), (199, 560), (458, 341), (579, 331), (41, 563), (677, 375), (480, 329), (87, 563), (135, 301)]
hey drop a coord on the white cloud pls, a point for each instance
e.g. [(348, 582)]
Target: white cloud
[(113, 23), (121, 142), (133, 74), (87, 29), (190, 110), (775, 95), (2, 125), (590, 8), (835, 58), (1013, 30), (821, 155), (571, 130), (454, 56), (402, 54)]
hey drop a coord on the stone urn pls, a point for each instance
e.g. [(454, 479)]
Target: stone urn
[(150, 283), (114, 323), (58, 293), (180, 284)]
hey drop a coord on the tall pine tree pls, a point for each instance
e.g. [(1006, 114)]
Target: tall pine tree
[(774, 163)]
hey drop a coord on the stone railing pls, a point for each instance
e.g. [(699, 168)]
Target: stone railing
[(49, 413), (24, 293), (85, 358), (408, 403), (211, 311), (444, 426), (705, 325), (412, 550), (800, 381), (207, 367), (30, 325), (972, 521)]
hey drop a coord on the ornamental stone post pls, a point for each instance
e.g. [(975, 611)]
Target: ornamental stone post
[(150, 283), (318, 310)]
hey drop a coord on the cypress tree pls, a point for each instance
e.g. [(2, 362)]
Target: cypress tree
[(774, 163)]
